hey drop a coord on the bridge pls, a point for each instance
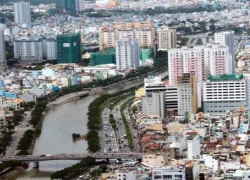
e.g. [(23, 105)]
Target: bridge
[(38, 158), (69, 97)]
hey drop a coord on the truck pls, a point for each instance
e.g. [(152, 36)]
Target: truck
[(48, 155)]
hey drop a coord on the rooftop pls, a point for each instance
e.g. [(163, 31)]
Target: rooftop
[(225, 77)]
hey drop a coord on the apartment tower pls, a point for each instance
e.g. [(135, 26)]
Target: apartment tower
[(22, 12)]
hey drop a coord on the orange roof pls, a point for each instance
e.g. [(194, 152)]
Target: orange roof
[(17, 100), (146, 139), (155, 127)]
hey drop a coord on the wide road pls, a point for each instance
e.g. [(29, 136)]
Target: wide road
[(107, 135), (122, 142), (18, 133)]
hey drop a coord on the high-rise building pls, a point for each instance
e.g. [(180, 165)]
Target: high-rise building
[(28, 49), (166, 38), (153, 104), (67, 5), (143, 31), (127, 53), (68, 48), (227, 38), (226, 93), (49, 48), (80, 5), (154, 84), (211, 59), (33, 49), (193, 146), (2, 51), (187, 93), (22, 12)]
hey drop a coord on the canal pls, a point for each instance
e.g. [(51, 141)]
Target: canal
[(56, 137)]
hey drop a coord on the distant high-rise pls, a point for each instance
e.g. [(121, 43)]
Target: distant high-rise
[(166, 38), (143, 31), (227, 38), (127, 53), (67, 5), (22, 12), (2, 51), (80, 5), (69, 48)]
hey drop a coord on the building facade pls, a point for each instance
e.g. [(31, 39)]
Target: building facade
[(227, 38), (211, 59), (49, 48), (66, 5), (193, 147), (166, 38), (127, 53), (68, 48), (153, 104), (22, 13), (170, 173), (225, 93), (2, 52), (28, 49), (80, 5), (143, 31)]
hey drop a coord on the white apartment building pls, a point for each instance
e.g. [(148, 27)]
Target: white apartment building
[(193, 146), (211, 162), (153, 104), (226, 38), (127, 53), (49, 48), (33, 49), (169, 173), (2, 51), (203, 60), (22, 12), (229, 165), (143, 31), (28, 49), (225, 93), (166, 38)]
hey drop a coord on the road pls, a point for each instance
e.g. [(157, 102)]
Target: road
[(107, 135), (18, 133), (123, 143), (133, 131)]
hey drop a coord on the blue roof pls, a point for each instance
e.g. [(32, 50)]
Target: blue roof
[(55, 88), (10, 95)]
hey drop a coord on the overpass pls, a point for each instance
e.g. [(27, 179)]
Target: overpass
[(69, 97), (38, 158)]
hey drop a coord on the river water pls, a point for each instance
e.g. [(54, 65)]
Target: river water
[(56, 137)]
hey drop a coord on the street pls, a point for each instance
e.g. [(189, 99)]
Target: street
[(18, 134)]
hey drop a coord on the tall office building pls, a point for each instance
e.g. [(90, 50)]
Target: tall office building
[(143, 31), (211, 59), (69, 48), (166, 38), (127, 53), (227, 38), (22, 12), (2, 51)]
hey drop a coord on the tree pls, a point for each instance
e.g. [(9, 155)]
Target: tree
[(200, 109), (212, 27), (134, 109)]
